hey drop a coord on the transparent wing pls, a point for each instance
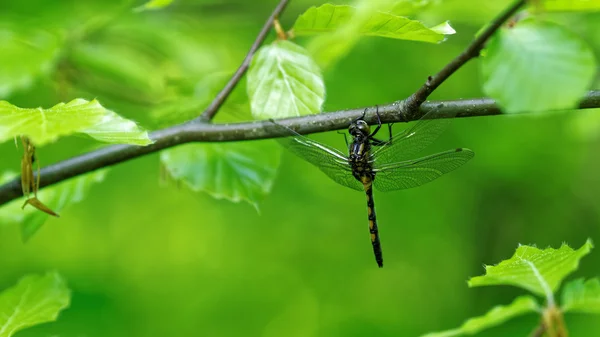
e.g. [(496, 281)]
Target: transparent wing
[(329, 160), (413, 173), (412, 140)]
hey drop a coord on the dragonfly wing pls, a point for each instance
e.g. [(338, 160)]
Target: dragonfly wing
[(329, 160), (412, 140), (413, 173)]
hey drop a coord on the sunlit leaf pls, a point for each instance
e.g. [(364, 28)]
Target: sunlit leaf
[(154, 4), (580, 296), (115, 129), (78, 116), (538, 270), (34, 300), (444, 28), (328, 18), (25, 56), (284, 81), (327, 49), (566, 5), (56, 198), (520, 306), (537, 66), (233, 171)]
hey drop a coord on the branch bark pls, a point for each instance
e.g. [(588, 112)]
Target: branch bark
[(206, 132)]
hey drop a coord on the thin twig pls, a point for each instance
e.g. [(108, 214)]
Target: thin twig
[(214, 106), (207, 132), (472, 51)]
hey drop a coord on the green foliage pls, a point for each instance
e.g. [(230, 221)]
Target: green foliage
[(182, 109), (582, 296), (284, 81), (328, 18), (56, 197), (538, 270), (154, 4), (541, 272), (27, 53), (78, 116), (119, 69), (34, 300), (520, 306), (241, 171), (327, 49), (566, 5), (537, 66), (409, 7), (295, 259)]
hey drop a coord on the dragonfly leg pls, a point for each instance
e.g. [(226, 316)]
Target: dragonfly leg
[(378, 122), (345, 138), (390, 130), (361, 117), (378, 142)]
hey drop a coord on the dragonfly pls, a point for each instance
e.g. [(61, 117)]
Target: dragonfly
[(386, 164)]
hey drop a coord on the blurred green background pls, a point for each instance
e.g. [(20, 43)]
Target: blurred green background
[(145, 259)]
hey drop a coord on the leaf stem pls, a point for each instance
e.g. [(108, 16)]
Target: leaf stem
[(221, 97), (553, 323)]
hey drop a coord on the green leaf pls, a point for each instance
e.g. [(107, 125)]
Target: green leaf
[(154, 4), (537, 66), (539, 271), (233, 171), (583, 297), (78, 116), (327, 49), (284, 81), (520, 306), (34, 300), (328, 18), (26, 55), (56, 197), (115, 129), (566, 5)]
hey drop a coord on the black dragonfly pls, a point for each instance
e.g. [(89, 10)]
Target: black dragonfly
[(385, 164)]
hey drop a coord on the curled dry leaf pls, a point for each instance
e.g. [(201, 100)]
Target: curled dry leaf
[(35, 202), (28, 182)]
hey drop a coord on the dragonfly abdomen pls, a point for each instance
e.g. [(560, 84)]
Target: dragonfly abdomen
[(373, 230)]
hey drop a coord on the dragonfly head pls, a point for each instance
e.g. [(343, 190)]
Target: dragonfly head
[(359, 128)]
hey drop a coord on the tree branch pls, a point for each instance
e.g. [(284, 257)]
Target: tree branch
[(206, 132), (214, 106), (201, 131), (472, 51)]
